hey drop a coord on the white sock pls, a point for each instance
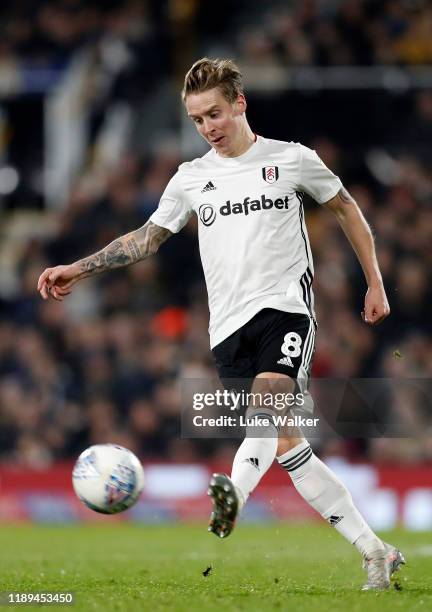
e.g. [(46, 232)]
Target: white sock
[(254, 457), (321, 488)]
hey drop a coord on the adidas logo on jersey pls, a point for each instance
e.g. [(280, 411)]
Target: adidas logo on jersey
[(208, 187), (334, 520), (253, 461), (286, 361)]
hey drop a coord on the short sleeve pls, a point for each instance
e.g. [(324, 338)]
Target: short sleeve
[(315, 178), (173, 211)]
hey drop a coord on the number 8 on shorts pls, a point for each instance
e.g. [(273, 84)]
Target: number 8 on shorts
[(291, 346)]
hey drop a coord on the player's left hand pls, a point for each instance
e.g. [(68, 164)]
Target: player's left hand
[(376, 307)]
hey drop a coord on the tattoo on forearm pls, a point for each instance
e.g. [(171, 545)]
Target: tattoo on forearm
[(126, 250), (149, 238), (345, 196), (133, 249)]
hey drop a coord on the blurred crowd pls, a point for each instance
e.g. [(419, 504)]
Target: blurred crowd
[(47, 32), (106, 364), (307, 32), (336, 33)]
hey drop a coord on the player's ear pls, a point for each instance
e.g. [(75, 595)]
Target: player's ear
[(241, 104)]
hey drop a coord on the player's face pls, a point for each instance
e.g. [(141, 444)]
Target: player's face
[(220, 123)]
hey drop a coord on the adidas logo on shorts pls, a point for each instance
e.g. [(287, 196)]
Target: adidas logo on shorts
[(286, 361), (334, 520)]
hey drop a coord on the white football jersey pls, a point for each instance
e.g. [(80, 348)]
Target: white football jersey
[(253, 240)]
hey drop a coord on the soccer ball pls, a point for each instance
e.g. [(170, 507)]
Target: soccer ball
[(108, 478)]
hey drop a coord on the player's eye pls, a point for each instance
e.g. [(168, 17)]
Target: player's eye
[(214, 115)]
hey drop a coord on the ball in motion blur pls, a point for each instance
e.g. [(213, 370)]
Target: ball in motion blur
[(108, 478)]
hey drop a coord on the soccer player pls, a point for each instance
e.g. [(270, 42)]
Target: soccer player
[(246, 192)]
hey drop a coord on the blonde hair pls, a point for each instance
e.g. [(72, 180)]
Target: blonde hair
[(206, 74)]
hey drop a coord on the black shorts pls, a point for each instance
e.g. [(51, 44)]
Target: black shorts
[(272, 341)]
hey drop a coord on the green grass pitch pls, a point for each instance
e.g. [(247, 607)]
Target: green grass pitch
[(275, 566)]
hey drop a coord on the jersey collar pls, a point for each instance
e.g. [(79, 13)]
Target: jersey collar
[(235, 161)]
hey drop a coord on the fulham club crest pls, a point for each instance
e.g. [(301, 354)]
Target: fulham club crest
[(270, 174)]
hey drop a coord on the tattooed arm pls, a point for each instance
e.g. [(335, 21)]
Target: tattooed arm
[(358, 232), (125, 250), (57, 282)]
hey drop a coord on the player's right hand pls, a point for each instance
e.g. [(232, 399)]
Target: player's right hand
[(57, 282)]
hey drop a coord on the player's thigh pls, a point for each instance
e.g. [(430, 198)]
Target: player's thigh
[(234, 363)]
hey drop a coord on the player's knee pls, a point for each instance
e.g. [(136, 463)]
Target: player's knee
[(271, 391), (289, 441), (271, 384)]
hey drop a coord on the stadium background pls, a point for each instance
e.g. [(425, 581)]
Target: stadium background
[(91, 130)]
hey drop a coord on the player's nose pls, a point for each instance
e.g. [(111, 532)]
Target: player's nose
[(208, 127)]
